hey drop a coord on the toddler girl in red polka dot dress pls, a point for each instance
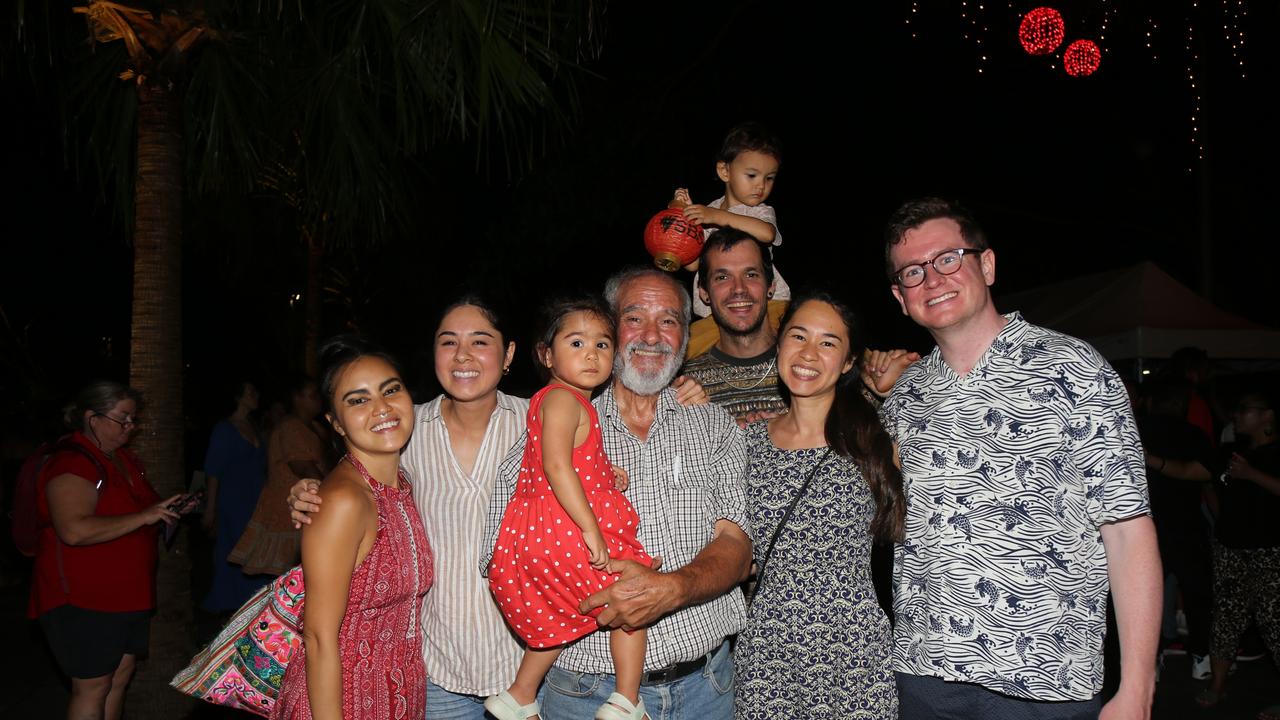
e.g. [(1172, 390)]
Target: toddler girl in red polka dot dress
[(568, 519)]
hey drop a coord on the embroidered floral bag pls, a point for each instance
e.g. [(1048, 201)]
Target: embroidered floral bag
[(244, 665)]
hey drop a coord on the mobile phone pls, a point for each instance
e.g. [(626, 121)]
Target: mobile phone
[(181, 506), (186, 503)]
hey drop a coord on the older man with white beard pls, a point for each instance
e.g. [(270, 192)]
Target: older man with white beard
[(686, 467)]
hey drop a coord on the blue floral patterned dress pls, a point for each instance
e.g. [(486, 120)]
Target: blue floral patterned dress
[(817, 644)]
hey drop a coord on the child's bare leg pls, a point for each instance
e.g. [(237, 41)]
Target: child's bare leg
[(533, 668), (628, 661)]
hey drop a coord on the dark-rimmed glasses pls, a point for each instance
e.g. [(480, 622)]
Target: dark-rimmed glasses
[(947, 262)]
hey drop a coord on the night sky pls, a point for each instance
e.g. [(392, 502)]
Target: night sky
[(1068, 175)]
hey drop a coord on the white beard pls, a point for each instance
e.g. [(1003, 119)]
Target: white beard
[(641, 382)]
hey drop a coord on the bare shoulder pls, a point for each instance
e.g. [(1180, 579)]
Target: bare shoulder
[(562, 401), (346, 497)]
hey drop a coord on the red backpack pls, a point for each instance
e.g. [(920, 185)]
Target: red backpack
[(25, 514)]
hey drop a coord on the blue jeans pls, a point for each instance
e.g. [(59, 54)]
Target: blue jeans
[(706, 695), (445, 705)]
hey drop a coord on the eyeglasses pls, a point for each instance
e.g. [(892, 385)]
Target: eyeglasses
[(1242, 409), (947, 262), (130, 421)]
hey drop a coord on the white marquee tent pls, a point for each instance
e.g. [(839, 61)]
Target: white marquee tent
[(1140, 312)]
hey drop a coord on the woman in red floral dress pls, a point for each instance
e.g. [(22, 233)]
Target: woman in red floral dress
[(365, 560)]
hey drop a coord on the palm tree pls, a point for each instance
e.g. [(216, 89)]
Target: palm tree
[(209, 88)]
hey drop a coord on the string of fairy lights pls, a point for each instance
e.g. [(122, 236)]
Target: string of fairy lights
[(1233, 15), (1193, 61), (1077, 43)]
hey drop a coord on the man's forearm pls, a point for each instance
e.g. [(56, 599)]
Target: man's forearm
[(723, 563), (1133, 563)]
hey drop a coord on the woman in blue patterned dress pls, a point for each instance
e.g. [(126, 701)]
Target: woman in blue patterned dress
[(817, 643)]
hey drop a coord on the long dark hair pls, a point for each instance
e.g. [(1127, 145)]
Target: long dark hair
[(853, 429)]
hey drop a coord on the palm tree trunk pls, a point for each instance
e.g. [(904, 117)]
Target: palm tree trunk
[(155, 368)]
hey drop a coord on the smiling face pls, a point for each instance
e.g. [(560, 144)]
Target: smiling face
[(581, 355), (748, 178), (814, 350), (651, 334), (372, 410), (470, 356), (737, 290), (944, 302)]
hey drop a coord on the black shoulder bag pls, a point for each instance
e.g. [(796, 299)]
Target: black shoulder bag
[(764, 559)]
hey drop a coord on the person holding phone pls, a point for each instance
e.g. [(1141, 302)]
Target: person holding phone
[(93, 585)]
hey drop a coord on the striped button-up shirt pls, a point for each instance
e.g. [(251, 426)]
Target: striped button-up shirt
[(685, 476), (466, 644)]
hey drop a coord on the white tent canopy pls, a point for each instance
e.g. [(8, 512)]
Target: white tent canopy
[(1141, 312)]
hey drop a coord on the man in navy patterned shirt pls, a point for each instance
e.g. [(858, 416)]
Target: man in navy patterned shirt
[(1026, 500)]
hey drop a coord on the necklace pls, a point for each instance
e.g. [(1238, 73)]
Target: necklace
[(768, 369)]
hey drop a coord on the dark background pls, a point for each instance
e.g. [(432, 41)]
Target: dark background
[(1069, 176)]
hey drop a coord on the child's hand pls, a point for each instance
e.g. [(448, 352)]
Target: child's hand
[(702, 214), (882, 368), (596, 549), (620, 479), (680, 199)]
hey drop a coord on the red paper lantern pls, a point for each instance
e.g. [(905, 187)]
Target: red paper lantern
[(673, 240), (1041, 31), (1081, 58)]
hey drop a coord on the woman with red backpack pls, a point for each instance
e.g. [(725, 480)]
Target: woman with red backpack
[(92, 587)]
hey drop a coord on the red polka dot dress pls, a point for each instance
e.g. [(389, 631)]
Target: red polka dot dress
[(541, 569)]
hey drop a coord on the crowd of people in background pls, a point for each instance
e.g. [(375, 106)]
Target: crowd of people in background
[(1021, 487)]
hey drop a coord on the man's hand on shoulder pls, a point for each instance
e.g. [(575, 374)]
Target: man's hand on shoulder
[(304, 499), (882, 368), (689, 392), (757, 416)]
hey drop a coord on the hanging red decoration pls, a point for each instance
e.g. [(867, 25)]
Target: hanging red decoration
[(1081, 58), (1041, 31)]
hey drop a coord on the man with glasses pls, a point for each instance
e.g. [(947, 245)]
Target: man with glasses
[(1026, 493)]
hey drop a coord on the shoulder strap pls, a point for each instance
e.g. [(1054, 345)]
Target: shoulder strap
[(768, 553), (69, 445)]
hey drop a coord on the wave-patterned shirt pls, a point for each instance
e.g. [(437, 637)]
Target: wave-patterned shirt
[(1009, 473)]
